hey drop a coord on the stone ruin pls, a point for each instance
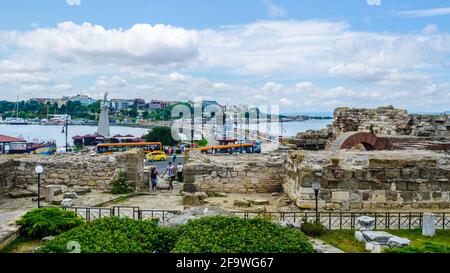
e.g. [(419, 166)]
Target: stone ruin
[(382, 180), (69, 171), (393, 128)]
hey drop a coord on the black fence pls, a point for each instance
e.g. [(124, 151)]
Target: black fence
[(347, 220), (91, 214), (331, 220)]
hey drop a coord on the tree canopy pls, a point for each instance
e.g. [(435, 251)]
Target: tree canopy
[(163, 135)]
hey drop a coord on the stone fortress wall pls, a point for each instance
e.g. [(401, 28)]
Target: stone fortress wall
[(95, 171), (354, 180), (403, 130), (248, 173)]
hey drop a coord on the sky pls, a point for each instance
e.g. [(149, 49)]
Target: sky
[(305, 56)]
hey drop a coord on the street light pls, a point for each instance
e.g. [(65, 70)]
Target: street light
[(39, 170), (316, 187)]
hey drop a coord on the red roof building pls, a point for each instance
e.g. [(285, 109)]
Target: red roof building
[(8, 139)]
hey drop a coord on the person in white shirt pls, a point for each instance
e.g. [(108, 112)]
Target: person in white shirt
[(180, 172)]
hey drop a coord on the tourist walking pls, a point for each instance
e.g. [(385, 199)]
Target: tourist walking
[(174, 157), (180, 172), (154, 178), (171, 173)]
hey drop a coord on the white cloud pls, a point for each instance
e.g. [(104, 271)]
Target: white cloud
[(93, 44), (430, 30), (425, 12), (374, 2), (273, 10), (73, 2)]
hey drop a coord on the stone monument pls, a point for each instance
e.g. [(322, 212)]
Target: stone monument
[(103, 123), (429, 225)]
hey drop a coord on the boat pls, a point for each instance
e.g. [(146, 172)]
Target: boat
[(16, 120)]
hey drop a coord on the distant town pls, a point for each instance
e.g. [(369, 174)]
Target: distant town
[(84, 110)]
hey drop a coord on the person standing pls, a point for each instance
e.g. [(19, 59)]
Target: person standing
[(174, 157), (154, 178), (180, 172), (170, 171)]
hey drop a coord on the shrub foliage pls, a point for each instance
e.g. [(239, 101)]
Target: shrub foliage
[(205, 235), (120, 185), (313, 229), (39, 223), (115, 235), (235, 235)]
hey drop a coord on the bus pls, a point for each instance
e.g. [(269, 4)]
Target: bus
[(148, 147), (240, 148)]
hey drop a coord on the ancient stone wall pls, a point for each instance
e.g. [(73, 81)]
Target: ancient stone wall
[(236, 173), (380, 121), (380, 180), (96, 171), (383, 122), (7, 175)]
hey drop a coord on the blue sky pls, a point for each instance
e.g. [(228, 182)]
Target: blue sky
[(302, 55)]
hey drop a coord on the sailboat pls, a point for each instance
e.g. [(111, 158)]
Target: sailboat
[(16, 120)]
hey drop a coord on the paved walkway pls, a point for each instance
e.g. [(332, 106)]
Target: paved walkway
[(322, 247), (8, 225)]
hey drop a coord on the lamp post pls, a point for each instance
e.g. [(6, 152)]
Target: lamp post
[(316, 187), (39, 170)]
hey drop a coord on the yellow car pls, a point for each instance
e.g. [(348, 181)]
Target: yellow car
[(156, 156)]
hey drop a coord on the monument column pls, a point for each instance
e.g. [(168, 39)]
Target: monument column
[(103, 123)]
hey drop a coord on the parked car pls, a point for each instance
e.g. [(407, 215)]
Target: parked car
[(156, 156)]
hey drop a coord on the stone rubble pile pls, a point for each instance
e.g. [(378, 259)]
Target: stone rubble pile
[(376, 240)]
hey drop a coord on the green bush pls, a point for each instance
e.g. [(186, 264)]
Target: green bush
[(235, 235), (116, 235), (313, 229), (427, 247), (39, 223), (120, 185)]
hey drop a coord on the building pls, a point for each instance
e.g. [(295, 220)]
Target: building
[(121, 104), (139, 103), (41, 100), (12, 145), (88, 140), (157, 105), (59, 119), (83, 99)]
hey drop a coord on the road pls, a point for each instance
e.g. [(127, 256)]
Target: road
[(162, 165)]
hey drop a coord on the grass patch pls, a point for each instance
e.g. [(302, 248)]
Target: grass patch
[(344, 240), (420, 244)]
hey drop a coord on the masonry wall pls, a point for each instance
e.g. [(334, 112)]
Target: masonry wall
[(96, 171), (7, 175), (236, 173), (379, 180)]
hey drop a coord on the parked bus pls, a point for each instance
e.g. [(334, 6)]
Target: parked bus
[(110, 148), (240, 148)]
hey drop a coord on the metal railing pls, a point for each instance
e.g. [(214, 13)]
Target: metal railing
[(347, 220), (331, 220), (91, 214)]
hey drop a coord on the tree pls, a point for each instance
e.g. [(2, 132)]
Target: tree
[(203, 142), (163, 135)]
